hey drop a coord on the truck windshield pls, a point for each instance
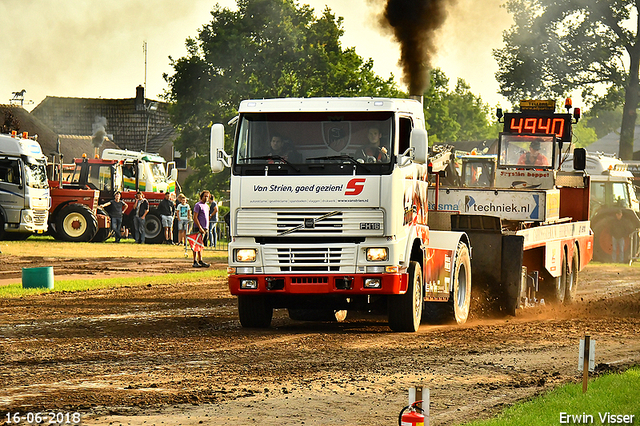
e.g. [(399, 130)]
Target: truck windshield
[(527, 151), (158, 172), (36, 175), (315, 143)]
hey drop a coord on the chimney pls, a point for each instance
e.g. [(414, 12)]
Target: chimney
[(140, 98)]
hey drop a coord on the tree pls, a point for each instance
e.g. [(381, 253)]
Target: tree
[(456, 115), (265, 49), (556, 46)]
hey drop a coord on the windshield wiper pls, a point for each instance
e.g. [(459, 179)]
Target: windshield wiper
[(273, 157), (342, 157)]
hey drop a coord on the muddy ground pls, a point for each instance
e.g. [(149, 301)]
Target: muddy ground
[(177, 355)]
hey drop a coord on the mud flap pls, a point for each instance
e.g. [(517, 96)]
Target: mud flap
[(511, 272), (497, 260)]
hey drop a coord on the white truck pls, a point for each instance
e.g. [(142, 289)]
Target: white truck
[(144, 171), (24, 190), (612, 190), (320, 228)]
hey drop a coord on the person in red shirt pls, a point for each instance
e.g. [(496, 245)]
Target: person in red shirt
[(534, 157)]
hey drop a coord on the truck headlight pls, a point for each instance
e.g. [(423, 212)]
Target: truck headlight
[(27, 217), (246, 255), (249, 284), (377, 254)]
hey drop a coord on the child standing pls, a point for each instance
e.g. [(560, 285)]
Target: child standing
[(183, 213)]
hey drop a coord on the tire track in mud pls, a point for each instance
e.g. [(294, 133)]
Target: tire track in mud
[(139, 351)]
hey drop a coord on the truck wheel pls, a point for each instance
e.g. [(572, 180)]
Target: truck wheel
[(154, 233), (557, 286), (456, 309), (76, 223), (571, 287), (3, 233), (103, 234), (317, 315), (254, 312), (405, 310)]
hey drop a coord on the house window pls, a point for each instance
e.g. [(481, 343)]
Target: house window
[(181, 163)]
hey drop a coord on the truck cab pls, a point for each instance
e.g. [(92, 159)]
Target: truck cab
[(24, 189), (143, 171)]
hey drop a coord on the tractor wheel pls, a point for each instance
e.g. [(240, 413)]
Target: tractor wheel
[(103, 234), (154, 232), (75, 222), (254, 312), (405, 310)]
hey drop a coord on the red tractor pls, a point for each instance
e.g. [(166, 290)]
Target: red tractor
[(106, 177)]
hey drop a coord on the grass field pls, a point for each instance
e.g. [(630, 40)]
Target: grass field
[(16, 290), (47, 246), (608, 400)]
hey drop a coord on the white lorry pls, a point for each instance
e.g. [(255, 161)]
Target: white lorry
[(24, 190), (144, 171), (612, 190), (326, 223)]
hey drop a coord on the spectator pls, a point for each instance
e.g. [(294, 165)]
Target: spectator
[(167, 211), (140, 210), (620, 231), (201, 225), (115, 208), (183, 213), (213, 219)]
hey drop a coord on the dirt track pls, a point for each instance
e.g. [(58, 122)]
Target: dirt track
[(177, 355)]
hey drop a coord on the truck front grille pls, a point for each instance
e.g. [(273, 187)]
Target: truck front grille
[(292, 223), (40, 217), (305, 259)]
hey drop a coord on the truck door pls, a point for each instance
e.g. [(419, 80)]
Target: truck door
[(11, 189)]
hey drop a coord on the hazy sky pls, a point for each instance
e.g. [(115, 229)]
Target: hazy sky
[(93, 48)]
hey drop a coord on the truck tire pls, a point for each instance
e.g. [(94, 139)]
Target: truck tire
[(572, 280), (405, 310), (254, 312), (317, 315), (3, 233), (75, 222), (457, 308), (103, 234), (556, 287), (154, 232)]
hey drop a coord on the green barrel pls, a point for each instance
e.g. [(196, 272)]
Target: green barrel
[(37, 277)]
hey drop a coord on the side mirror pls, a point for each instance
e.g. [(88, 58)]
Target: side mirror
[(420, 145), (579, 159), (217, 157), (174, 174)]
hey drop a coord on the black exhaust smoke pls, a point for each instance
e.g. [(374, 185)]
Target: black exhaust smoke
[(414, 24)]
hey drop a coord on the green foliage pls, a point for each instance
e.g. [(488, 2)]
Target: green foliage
[(583, 135), (557, 46), (455, 115), (264, 49), (614, 393)]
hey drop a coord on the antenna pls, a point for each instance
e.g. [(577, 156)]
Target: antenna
[(144, 49)]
